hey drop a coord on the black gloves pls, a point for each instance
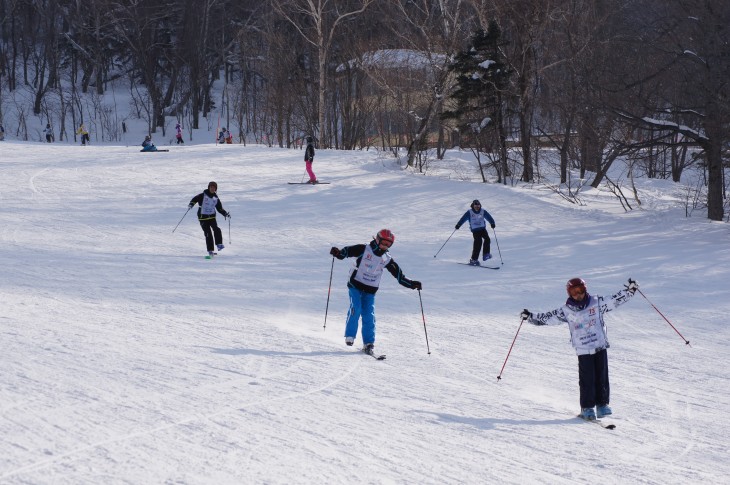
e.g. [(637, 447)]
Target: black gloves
[(416, 285), (227, 215), (632, 286), (190, 205), (335, 252), (525, 314), (492, 225), (457, 226)]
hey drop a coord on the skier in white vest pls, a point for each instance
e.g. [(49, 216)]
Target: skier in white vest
[(364, 281), (584, 315), (478, 218), (209, 204)]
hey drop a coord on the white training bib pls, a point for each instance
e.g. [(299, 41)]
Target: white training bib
[(208, 205), (371, 267), (476, 219), (586, 329)]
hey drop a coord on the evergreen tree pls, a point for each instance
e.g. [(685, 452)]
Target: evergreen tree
[(482, 78)]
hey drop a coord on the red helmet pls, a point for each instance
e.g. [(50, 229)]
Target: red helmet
[(575, 283), (385, 235)]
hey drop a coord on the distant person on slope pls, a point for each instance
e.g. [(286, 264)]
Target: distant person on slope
[(309, 159), (49, 133), (84, 134), (147, 145), (584, 315), (179, 134), (364, 281), (209, 204), (225, 136), (478, 218)]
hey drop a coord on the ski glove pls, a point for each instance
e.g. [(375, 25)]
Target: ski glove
[(190, 206), (227, 215), (416, 285), (335, 252), (492, 225), (632, 286), (525, 315), (457, 226)]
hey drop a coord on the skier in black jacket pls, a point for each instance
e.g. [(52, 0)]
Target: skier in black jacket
[(364, 281), (309, 159), (209, 204)]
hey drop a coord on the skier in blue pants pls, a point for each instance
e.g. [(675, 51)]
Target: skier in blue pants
[(364, 281)]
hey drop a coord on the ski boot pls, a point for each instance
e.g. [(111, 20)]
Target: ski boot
[(603, 410), (588, 414)]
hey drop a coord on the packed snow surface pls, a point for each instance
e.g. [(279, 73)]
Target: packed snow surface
[(127, 357)]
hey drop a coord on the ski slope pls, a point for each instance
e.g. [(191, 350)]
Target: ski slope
[(128, 358)]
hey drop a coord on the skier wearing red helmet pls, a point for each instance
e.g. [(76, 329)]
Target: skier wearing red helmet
[(364, 282), (584, 315)]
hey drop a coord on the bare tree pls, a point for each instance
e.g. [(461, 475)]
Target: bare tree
[(317, 22), (685, 88)]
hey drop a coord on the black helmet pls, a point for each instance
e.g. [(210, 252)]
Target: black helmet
[(147, 137), (476, 202)]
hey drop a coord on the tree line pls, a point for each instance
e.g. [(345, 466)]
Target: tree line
[(593, 80)]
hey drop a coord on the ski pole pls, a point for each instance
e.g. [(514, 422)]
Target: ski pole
[(665, 318), (329, 290), (229, 229), (444, 244), (497, 241), (499, 377), (304, 174), (428, 348), (183, 217)]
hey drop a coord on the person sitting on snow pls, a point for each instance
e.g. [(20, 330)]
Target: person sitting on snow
[(147, 145)]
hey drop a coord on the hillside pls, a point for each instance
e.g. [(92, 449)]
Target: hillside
[(129, 358)]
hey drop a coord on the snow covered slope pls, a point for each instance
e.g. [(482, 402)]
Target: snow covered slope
[(127, 357)]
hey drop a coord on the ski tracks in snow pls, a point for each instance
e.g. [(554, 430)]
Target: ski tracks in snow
[(344, 373)]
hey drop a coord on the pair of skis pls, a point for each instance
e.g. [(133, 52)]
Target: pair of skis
[(480, 266), (598, 422)]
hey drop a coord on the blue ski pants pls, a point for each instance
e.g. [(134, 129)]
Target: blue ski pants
[(361, 305)]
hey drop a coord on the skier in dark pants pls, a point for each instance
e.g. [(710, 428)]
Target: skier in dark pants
[(372, 259), (584, 315), (49, 133), (476, 217), (209, 204)]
